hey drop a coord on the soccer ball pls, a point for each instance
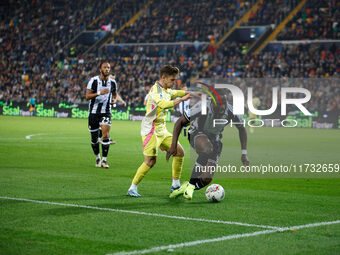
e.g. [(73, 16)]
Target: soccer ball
[(215, 193)]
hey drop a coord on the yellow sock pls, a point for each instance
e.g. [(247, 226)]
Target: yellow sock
[(141, 172), (177, 165)]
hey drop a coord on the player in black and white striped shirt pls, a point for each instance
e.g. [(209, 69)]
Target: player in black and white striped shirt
[(183, 107), (101, 91)]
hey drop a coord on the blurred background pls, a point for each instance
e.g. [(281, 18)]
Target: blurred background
[(50, 49)]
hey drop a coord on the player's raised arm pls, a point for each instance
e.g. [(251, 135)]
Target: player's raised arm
[(162, 103), (178, 93), (119, 98), (116, 97)]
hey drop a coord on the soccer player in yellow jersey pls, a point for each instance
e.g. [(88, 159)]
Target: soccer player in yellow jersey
[(154, 133)]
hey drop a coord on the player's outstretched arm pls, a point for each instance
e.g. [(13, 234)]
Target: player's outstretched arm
[(116, 97), (119, 98), (243, 139), (180, 123), (179, 93), (169, 104), (182, 99)]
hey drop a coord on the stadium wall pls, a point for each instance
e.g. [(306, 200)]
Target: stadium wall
[(319, 120), (80, 111)]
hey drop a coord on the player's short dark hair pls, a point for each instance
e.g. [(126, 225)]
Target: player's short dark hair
[(169, 70), (102, 62)]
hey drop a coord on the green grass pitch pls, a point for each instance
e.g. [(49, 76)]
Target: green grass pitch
[(57, 165)]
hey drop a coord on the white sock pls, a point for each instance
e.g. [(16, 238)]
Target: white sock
[(133, 186), (175, 183), (104, 158), (98, 155)]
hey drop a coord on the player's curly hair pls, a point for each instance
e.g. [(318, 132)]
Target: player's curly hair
[(102, 62), (169, 70)]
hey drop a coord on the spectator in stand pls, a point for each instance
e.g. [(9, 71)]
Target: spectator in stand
[(271, 12), (33, 37), (319, 19)]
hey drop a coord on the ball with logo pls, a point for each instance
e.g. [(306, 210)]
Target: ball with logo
[(215, 193)]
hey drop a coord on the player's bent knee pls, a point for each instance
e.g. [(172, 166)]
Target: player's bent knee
[(206, 154), (94, 137), (206, 180), (207, 149), (203, 145), (150, 161), (105, 135)]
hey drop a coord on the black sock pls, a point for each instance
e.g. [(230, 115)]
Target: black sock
[(105, 146), (197, 171), (95, 148), (195, 178), (94, 142), (198, 183)]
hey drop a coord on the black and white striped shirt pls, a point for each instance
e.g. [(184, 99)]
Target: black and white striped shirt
[(101, 104), (184, 106), (204, 123)]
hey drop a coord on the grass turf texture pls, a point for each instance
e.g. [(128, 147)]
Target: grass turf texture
[(58, 166)]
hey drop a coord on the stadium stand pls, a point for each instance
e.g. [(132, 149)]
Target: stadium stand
[(317, 20), (137, 66), (271, 12), (180, 20), (295, 60), (34, 60)]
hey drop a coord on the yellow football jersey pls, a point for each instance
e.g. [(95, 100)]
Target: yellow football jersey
[(158, 103)]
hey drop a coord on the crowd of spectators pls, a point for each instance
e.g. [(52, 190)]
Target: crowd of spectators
[(319, 19), (42, 28), (182, 20), (325, 93), (302, 62), (136, 69), (271, 12), (33, 35), (34, 64), (119, 13), (295, 60)]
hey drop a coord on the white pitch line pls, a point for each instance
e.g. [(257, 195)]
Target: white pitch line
[(223, 238), (312, 225), (29, 136), (143, 213), (193, 243)]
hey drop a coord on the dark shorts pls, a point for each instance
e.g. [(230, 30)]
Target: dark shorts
[(214, 139), (95, 120)]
